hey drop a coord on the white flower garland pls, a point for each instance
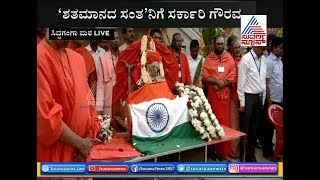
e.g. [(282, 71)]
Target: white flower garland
[(202, 118), (106, 131)]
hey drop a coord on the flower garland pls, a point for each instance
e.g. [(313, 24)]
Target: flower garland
[(202, 118), (106, 131)]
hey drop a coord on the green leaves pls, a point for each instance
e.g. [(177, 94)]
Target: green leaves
[(208, 34)]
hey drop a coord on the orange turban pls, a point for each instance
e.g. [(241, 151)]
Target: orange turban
[(153, 56)]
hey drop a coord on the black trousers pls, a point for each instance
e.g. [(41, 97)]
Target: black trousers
[(267, 132), (249, 121)]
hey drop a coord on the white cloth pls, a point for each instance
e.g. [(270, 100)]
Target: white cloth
[(275, 74), (249, 79), (193, 64), (123, 47)]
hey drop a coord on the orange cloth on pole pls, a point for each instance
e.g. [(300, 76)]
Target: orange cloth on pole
[(220, 100), (63, 94)]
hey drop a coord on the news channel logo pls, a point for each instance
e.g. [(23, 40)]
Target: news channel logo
[(254, 30)]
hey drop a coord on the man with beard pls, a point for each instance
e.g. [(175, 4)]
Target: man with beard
[(107, 76), (184, 71), (77, 46), (65, 124), (219, 73), (129, 37), (103, 44), (252, 92)]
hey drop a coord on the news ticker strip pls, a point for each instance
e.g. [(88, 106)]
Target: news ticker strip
[(159, 168), (81, 34)]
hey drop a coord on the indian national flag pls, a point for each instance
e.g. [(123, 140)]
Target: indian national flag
[(160, 120)]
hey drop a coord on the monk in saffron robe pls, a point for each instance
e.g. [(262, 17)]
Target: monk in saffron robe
[(184, 75), (66, 115), (219, 72), (78, 47)]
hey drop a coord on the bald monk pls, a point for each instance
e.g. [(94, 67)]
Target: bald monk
[(184, 71), (219, 72), (77, 46), (66, 124)]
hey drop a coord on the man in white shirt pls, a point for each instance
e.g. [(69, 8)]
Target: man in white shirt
[(251, 91), (269, 40), (96, 52), (274, 91), (195, 61), (129, 37)]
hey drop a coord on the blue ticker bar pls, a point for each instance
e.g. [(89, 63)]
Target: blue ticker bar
[(161, 168)]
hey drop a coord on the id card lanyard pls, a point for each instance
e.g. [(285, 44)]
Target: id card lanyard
[(256, 63), (220, 67)]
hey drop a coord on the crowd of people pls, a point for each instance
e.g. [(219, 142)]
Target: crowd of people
[(239, 88)]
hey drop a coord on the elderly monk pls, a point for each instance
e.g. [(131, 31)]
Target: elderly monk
[(132, 55), (219, 72), (66, 121)]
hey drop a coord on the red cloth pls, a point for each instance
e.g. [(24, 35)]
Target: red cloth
[(117, 148), (39, 40), (132, 55), (63, 94), (220, 100)]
